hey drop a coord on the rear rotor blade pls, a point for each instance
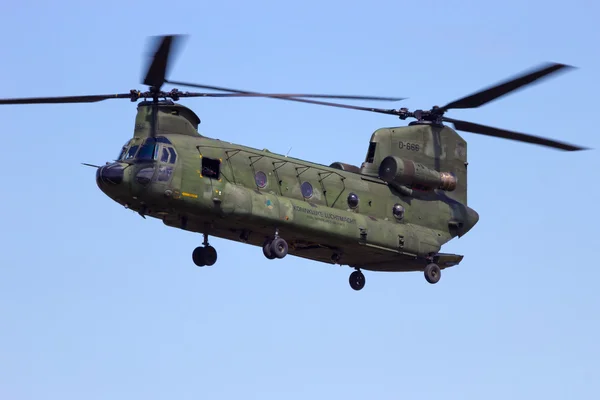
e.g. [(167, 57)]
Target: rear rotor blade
[(65, 99), (322, 96), (324, 103), (485, 96), (243, 93), (505, 134)]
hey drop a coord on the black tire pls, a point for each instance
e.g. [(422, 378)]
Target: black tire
[(433, 273), (198, 256), (267, 250), (357, 280), (279, 247), (209, 255)]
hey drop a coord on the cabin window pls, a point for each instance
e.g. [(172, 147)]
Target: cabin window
[(307, 190), (211, 168), (371, 152), (352, 200), (261, 179), (398, 211)]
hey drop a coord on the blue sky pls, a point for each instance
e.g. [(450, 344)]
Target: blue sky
[(98, 303)]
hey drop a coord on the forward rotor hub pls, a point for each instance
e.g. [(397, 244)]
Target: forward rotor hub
[(435, 115)]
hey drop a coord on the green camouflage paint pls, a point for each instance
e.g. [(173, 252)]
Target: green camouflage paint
[(318, 224)]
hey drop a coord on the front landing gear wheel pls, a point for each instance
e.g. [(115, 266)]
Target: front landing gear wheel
[(433, 273), (357, 280), (204, 256), (210, 255)]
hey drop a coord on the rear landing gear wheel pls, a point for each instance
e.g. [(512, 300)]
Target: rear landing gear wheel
[(276, 247), (279, 247), (433, 273), (357, 280)]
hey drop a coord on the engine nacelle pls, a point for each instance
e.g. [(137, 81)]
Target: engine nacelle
[(406, 172), (345, 167)]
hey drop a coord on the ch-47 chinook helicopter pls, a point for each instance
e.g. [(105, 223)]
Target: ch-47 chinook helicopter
[(393, 213)]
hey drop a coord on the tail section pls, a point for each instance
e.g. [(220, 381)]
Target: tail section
[(420, 157)]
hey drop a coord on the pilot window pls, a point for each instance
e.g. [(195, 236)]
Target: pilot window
[(131, 152), (122, 153), (211, 168), (173, 155), (147, 150), (168, 155), (164, 155)]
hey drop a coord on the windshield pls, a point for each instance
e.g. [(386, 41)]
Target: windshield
[(122, 153), (148, 151), (145, 153)]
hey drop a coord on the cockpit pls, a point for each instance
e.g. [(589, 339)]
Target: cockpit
[(152, 149)]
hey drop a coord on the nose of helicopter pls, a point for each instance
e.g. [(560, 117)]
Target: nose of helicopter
[(471, 220), (111, 174)]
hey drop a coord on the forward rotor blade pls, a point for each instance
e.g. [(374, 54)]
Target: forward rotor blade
[(65, 99), (505, 134), (141, 95), (487, 95), (159, 67), (242, 93)]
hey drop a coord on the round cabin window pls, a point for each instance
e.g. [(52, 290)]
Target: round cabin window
[(398, 211), (352, 200), (307, 189), (261, 179)]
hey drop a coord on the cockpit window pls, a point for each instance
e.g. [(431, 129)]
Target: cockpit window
[(147, 150), (131, 152), (173, 155), (151, 149), (162, 139), (122, 153), (165, 155)]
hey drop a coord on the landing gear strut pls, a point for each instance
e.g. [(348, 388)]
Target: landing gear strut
[(357, 280), (205, 255), (276, 247), (433, 273)]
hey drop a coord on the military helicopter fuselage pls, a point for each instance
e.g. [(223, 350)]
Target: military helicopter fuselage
[(393, 213), (339, 214)]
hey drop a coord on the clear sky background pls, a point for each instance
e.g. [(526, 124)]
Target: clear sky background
[(98, 303)]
